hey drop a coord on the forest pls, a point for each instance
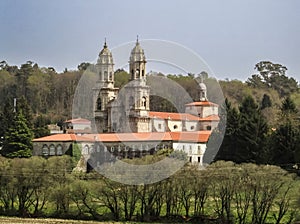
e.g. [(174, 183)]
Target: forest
[(253, 179)]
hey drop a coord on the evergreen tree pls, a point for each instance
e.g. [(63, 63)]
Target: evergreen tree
[(6, 116), (22, 105), (266, 101), (18, 138), (285, 140), (229, 145), (252, 133)]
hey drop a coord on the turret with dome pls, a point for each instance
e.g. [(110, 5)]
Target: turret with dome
[(137, 62)]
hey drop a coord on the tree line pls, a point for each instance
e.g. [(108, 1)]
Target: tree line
[(222, 193)]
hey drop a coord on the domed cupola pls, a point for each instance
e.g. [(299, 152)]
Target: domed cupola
[(137, 53), (105, 56), (105, 65), (202, 91), (137, 62)]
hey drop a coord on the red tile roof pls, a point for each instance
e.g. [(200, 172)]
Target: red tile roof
[(202, 103), (62, 138), (173, 116), (181, 116), (78, 121), (213, 117), (199, 136)]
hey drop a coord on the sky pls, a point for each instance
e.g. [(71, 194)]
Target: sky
[(231, 36)]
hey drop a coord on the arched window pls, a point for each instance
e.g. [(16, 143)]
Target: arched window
[(143, 73), (105, 75), (99, 104), (52, 150), (45, 150), (112, 149), (85, 150), (144, 102), (110, 76), (59, 151)]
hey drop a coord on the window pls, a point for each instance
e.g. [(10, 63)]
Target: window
[(99, 104), (143, 73), (175, 126), (112, 149), (208, 128), (199, 159), (190, 159), (59, 151), (45, 150), (199, 149), (98, 148), (52, 150), (85, 150), (144, 102), (114, 128), (105, 75), (159, 126), (192, 127), (110, 76)]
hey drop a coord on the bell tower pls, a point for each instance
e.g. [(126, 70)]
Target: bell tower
[(104, 92), (137, 62), (138, 92)]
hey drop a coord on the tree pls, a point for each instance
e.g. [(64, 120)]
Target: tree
[(252, 133), (273, 76), (266, 101), (229, 145), (22, 105), (285, 140), (18, 139), (6, 116), (83, 66)]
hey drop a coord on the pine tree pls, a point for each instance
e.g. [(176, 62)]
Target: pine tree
[(18, 138), (6, 116), (266, 101), (229, 145), (252, 133), (285, 140)]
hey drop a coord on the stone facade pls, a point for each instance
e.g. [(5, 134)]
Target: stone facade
[(129, 110)]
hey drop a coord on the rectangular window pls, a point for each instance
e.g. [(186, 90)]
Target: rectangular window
[(159, 126)]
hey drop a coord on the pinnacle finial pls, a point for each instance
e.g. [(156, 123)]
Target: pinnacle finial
[(137, 39), (105, 45)]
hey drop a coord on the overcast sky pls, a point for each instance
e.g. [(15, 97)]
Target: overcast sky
[(230, 35)]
